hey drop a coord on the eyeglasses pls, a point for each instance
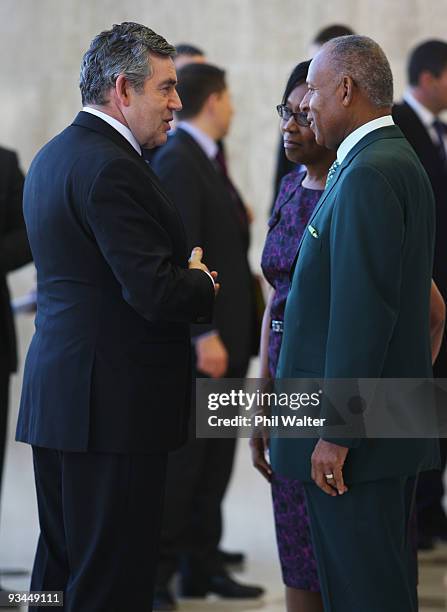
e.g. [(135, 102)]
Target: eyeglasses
[(286, 113)]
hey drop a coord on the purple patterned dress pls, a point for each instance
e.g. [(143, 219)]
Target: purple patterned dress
[(291, 213)]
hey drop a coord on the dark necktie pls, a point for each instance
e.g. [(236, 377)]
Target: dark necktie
[(440, 129), (221, 167)]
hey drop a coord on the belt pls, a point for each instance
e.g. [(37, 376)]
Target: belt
[(277, 326)]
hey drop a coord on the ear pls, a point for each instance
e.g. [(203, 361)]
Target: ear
[(211, 101), (122, 90), (426, 79), (347, 89)]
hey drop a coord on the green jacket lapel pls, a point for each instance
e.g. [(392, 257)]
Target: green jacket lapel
[(391, 131)]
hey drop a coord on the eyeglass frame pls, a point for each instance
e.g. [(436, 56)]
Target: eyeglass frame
[(300, 117)]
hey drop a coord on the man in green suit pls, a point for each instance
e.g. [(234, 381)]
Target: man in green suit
[(359, 308)]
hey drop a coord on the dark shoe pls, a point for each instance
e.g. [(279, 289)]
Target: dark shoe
[(164, 600), (222, 585), (231, 558)]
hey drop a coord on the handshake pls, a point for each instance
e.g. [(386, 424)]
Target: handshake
[(195, 263)]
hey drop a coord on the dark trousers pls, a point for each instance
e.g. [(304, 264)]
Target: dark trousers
[(198, 476), (430, 492), (363, 545), (100, 516)]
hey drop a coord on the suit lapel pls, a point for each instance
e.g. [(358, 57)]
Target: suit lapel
[(379, 134), (92, 122), (422, 139)]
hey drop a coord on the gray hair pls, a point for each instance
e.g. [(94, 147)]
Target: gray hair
[(122, 50), (364, 61)]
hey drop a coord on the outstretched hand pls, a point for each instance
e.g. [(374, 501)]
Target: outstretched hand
[(195, 263)]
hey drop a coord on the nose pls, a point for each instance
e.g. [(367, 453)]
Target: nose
[(175, 103), (289, 125), (304, 104)]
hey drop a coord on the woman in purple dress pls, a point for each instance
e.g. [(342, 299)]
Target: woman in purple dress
[(299, 193)]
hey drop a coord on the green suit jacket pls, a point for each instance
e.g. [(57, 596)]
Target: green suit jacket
[(358, 305)]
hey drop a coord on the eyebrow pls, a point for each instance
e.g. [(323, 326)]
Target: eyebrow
[(168, 82)]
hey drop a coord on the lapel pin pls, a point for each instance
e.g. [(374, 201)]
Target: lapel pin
[(313, 231)]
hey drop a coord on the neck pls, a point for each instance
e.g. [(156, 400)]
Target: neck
[(359, 119), (316, 173), (423, 98), (205, 126)]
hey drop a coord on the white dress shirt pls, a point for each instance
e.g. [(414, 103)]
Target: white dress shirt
[(426, 117), (119, 127), (205, 142), (356, 136)]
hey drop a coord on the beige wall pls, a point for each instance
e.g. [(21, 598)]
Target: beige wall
[(258, 41)]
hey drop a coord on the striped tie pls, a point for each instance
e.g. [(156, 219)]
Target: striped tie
[(332, 171), (440, 132)]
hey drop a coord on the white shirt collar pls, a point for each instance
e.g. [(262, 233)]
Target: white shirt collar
[(206, 143), (356, 136), (119, 127), (424, 114)]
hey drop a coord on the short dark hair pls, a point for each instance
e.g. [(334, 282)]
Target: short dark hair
[(330, 32), (430, 56), (196, 82), (125, 49), (364, 61), (187, 49), (297, 77)]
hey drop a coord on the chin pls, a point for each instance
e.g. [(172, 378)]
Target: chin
[(159, 141), (292, 158)]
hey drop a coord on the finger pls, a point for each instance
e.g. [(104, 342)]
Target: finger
[(216, 288), (328, 470), (263, 467), (258, 458), (339, 481), (266, 439), (196, 255), (321, 482), (214, 274)]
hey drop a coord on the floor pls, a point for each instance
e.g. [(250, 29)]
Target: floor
[(248, 520)]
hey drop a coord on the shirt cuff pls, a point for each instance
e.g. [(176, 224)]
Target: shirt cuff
[(208, 334), (212, 279)]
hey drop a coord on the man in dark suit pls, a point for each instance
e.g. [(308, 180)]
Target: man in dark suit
[(359, 308), (192, 169), (418, 118), (107, 378), (14, 253)]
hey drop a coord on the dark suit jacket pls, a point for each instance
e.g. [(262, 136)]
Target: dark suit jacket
[(417, 135), (108, 368), (14, 250), (212, 222), (358, 306)]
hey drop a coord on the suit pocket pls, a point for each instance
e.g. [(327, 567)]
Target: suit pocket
[(309, 364), (313, 241)]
